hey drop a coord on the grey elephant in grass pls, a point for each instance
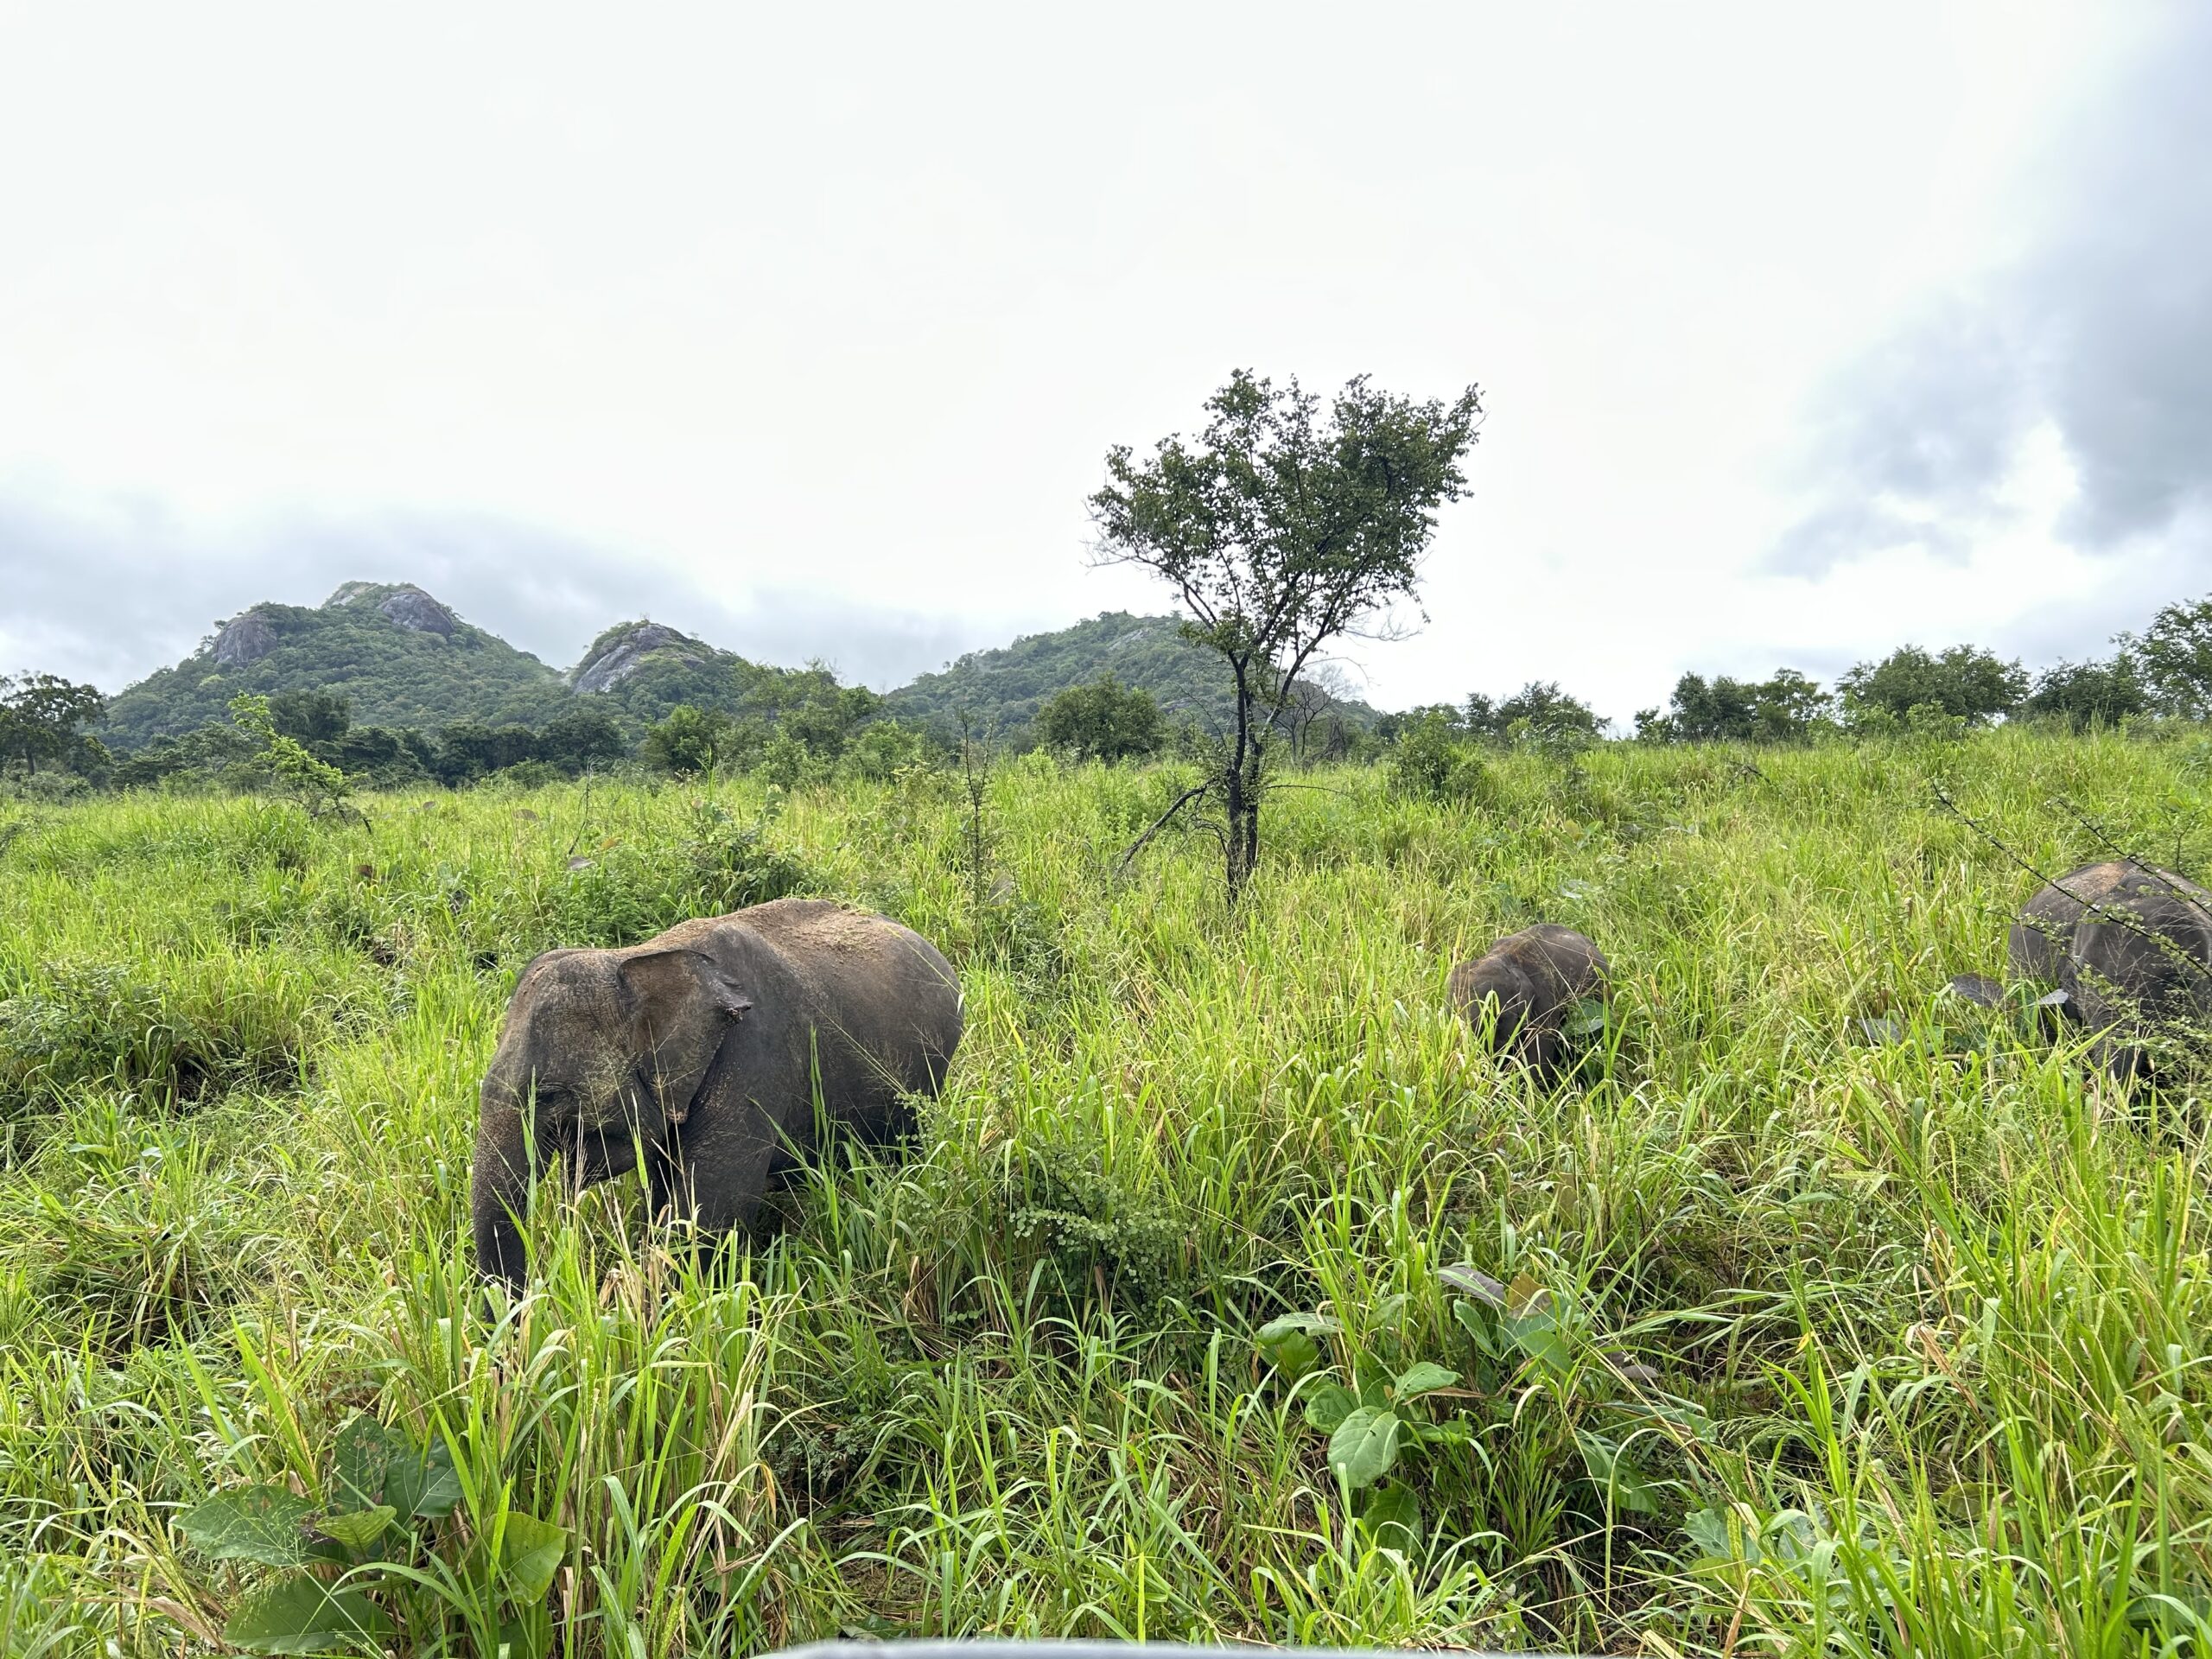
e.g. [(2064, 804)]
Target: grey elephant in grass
[(1538, 977), (701, 1050), (2130, 947)]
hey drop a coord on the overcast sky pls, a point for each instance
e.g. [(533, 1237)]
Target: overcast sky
[(1802, 332)]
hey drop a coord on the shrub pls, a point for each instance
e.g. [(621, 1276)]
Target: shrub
[(626, 893), (109, 1023), (1103, 721), (1428, 765), (1095, 1233)]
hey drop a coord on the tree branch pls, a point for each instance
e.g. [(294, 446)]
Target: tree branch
[(1157, 824)]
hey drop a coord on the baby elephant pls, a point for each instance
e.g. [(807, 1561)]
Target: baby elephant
[(705, 1048), (2132, 948), (1538, 975)]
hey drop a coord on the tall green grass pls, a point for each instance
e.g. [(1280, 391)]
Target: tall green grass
[(1896, 1330)]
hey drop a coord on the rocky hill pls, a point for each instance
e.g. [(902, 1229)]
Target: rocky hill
[(398, 655), (644, 669)]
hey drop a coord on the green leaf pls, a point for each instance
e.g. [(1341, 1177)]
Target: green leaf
[(531, 1551), (252, 1524), (1473, 1281), (1292, 1352), (1328, 1406), (1612, 1473), (1364, 1447), (1289, 1342), (1588, 1018), (1423, 1378), (521, 1641), (1319, 1325), (422, 1485), (1477, 1323), (298, 1614), (1391, 1516), (1535, 1332), (357, 1529), (1371, 1383), (358, 1463), (1708, 1530)]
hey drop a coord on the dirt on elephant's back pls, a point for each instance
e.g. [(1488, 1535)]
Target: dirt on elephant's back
[(822, 923)]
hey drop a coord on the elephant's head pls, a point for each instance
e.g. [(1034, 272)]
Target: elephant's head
[(602, 1052), (1494, 978)]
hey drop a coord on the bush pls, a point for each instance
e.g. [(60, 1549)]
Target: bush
[(111, 1024), (1103, 721), (884, 750), (628, 894), (1428, 765)]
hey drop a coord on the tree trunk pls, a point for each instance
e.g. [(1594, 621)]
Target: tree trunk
[(1239, 805)]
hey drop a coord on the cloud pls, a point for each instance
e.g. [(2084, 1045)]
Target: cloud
[(108, 588), (2098, 334)]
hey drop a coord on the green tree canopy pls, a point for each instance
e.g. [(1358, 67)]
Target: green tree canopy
[(311, 716), (2174, 656), (1103, 721), (689, 742), (1777, 710), (1965, 681), (1281, 530), (2089, 694), (42, 718)]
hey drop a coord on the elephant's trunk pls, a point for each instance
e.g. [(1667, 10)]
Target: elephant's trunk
[(500, 1192)]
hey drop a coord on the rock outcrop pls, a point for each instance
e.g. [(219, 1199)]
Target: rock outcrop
[(247, 638), (621, 652), (404, 602)]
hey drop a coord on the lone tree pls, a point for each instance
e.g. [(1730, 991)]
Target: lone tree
[(1282, 531)]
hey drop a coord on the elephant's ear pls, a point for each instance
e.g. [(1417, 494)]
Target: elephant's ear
[(683, 1004)]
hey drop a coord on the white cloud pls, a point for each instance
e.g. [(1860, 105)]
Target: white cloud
[(812, 329)]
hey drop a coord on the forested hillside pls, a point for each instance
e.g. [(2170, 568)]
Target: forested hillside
[(645, 669), (398, 656), (402, 659), (1005, 688)]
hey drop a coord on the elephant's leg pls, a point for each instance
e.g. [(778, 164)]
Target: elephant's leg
[(714, 1177)]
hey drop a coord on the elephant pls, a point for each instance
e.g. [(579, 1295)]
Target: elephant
[(704, 1050), (2130, 946), (1537, 977)]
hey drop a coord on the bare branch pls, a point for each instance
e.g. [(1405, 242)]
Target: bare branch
[(1157, 824)]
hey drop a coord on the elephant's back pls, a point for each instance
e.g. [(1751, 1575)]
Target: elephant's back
[(2044, 933), (884, 986), (834, 940), (2146, 951), (2040, 941)]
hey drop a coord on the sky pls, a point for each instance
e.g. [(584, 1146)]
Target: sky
[(1802, 333)]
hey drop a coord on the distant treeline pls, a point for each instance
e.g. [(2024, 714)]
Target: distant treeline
[(2165, 671), (801, 725)]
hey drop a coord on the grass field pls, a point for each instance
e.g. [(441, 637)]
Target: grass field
[(1778, 1338)]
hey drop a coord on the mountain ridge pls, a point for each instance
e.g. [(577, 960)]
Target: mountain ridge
[(403, 659)]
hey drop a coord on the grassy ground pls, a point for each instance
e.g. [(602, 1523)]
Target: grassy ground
[(1806, 1342)]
